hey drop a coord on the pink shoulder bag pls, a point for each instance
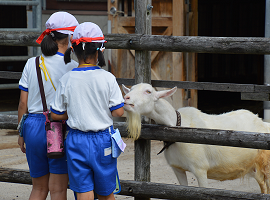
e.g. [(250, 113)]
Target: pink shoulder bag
[(54, 129)]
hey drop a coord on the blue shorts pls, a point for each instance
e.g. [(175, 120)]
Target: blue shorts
[(90, 162), (36, 148)]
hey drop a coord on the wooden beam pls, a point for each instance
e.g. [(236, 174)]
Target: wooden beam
[(255, 96), (181, 134), (18, 38), (198, 44), (144, 190), (8, 121), (10, 75), (179, 192), (226, 87), (202, 136), (248, 91), (192, 57), (178, 11), (15, 176), (142, 75)]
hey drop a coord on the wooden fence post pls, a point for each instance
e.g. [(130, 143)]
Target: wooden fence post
[(142, 75)]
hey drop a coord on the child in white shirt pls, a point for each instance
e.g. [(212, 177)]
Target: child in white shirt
[(88, 97)]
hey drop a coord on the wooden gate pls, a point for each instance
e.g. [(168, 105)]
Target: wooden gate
[(169, 17)]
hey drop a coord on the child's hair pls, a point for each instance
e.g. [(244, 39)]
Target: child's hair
[(49, 46), (89, 51)]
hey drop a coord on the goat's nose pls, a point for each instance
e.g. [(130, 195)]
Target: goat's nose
[(126, 97)]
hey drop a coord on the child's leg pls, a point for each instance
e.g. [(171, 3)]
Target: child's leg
[(85, 196), (109, 197), (40, 188), (58, 186)]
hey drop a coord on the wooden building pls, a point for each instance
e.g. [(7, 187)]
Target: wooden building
[(223, 18)]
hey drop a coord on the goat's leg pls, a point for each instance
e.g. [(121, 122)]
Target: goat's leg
[(261, 179), (263, 186), (181, 176), (267, 181), (201, 176)]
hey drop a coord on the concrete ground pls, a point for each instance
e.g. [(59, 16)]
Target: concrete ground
[(12, 157)]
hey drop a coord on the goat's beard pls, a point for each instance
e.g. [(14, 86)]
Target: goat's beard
[(133, 125)]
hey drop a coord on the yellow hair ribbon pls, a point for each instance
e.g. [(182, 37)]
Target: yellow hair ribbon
[(44, 69)]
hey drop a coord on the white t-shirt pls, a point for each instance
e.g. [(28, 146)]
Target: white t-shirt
[(88, 95), (29, 82)]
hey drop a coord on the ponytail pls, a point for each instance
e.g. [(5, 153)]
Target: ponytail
[(49, 46), (101, 60), (67, 58)]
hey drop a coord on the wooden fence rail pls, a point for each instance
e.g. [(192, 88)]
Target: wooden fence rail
[(197, 44), (149, 189), (181, 134), (226, 87), (201, 136)]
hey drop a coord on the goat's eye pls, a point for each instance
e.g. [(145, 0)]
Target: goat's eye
[(147, 91)]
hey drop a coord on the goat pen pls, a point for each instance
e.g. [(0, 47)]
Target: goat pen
[(143, 42)]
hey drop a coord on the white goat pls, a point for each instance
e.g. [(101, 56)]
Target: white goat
[(204, 161)]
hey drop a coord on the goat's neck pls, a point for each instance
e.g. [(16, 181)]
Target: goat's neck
[(164, 113)]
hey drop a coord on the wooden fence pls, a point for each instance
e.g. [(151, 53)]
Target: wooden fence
[(155, 132), (143, 42), (197, 44), (142, 190)]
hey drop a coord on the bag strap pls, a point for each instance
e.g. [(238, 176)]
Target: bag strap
[(41, 88)]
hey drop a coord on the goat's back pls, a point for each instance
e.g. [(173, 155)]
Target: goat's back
[(239, 120)]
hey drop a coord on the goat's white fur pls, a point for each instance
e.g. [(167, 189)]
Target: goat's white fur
[(204, 161)]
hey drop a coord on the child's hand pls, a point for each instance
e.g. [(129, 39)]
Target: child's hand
[(21, 144)]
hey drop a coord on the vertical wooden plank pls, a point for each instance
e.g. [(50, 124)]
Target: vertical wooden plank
[(169, 8), (163, 11), (178, 62), (142, 26), (193, 27), (156, 8), (133, 9), (114, 29), (142, 74), (126, 8)]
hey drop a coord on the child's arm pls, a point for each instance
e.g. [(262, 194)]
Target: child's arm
[(118, 112), (59, 117), (22, 108)]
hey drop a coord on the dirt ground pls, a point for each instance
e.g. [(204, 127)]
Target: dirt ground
[(12, 157)]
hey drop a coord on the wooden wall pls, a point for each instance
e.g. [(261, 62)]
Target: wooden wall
[(168, 18)]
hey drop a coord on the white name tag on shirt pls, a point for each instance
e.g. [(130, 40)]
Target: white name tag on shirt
[(107, 151)]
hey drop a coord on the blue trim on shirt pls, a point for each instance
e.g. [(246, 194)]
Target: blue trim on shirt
[(60, 54), (23, 88), (116, 107), (57, 112), (85, 68)]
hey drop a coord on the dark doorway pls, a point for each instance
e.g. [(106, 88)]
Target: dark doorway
[(230, 18), (12, 17)]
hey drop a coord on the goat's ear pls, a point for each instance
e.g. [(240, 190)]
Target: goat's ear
[(125, 89), (165, 93)]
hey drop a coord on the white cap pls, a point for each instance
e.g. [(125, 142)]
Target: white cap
[(61, 20), (89, 30)]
